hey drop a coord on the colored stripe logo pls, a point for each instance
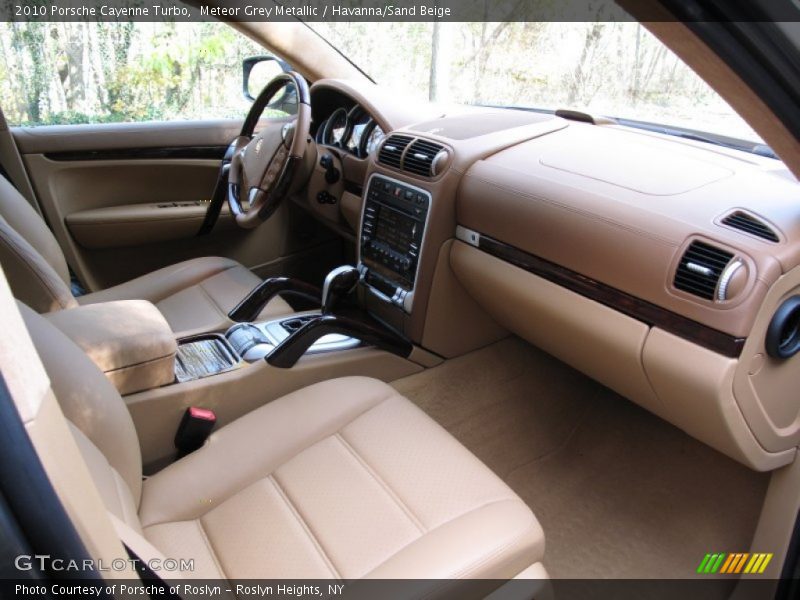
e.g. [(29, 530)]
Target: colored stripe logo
[(734, 563)]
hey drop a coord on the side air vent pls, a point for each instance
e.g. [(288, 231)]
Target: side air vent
[(392, 150), (700, 269), (750, 224), (420, 156)]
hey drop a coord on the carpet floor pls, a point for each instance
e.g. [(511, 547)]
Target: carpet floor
[(619, 492)]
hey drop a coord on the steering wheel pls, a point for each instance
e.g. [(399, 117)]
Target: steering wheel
[(264, 167)]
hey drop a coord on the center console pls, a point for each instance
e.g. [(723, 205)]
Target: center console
[(391, 237), (255, 341), (257, 360), (393, 223)]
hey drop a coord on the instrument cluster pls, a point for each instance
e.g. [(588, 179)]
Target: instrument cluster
[(353, 131)]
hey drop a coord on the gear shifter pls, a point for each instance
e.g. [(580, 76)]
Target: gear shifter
[(350, 322), (338, 284)]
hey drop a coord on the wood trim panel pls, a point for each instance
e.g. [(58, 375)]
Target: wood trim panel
[(159, 153), (636, 308)]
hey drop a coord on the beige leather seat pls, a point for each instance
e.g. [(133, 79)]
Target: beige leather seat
[(344, 479), (194, 295)]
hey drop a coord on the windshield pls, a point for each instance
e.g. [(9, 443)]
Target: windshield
[(605, 68)]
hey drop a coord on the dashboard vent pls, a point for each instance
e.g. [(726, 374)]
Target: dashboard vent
[(420, 156), (392, 150), (700, 268), (749, 224)]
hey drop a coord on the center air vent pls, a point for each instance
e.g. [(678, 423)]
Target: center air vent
[(700, 269), (423, 157), (392, 150), (749, 224), (420, 156)]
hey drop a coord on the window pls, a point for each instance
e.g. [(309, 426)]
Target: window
[(616, 69), (59, 73)]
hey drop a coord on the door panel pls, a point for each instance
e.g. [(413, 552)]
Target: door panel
[(126, 136), (140, 224), (125, 199)]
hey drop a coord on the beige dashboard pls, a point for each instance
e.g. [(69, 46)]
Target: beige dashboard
[(653, 264), (621, 206)]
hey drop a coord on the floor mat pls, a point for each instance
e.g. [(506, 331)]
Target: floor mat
[(618, 491)]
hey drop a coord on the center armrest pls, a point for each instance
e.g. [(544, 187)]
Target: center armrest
[(129, 340)]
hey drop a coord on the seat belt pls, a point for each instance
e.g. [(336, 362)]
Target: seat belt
[(162, 590), (194, 429), (141, 552), (4, 174), (3, 170), (13, 168)]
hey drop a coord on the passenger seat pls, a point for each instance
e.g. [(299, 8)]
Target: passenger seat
[(344, 479)]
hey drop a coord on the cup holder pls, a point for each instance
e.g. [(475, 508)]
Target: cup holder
[(783, 333), (292, 325)]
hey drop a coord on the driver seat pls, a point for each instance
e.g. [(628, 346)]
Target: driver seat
[(195, 296)]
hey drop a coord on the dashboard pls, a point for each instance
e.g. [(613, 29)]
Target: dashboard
[(666, 269)]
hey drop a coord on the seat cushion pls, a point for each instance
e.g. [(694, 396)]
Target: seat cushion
[(194, 296), (343, 479)]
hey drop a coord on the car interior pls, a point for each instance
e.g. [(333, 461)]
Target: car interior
[(475, 344)]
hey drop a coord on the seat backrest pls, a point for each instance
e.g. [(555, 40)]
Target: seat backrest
[(31, 257), (100, 421)]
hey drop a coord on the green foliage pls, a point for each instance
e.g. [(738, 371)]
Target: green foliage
[(606, 67), (63, 73), (55, 73)]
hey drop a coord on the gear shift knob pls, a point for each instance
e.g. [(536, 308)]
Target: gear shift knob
[(339, 283)]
